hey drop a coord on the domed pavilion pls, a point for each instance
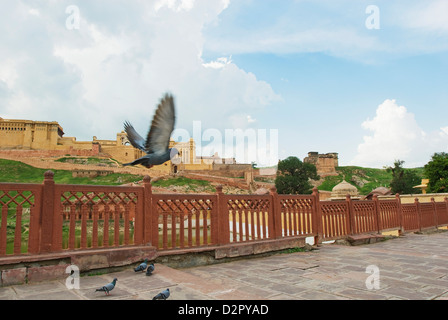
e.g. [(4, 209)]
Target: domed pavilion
[(343, 189)]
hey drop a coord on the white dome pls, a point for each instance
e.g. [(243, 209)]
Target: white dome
[(343, 189)]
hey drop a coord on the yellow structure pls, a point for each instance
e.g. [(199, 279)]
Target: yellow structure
[(423, 185), (29, 135), (48, 138)]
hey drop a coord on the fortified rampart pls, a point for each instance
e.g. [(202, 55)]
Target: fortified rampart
[(325, 163), (42, 139)]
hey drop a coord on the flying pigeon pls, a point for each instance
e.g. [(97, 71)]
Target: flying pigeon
[(142, 266), (150, 269), (162, 295), (157, 141), (108, 287)]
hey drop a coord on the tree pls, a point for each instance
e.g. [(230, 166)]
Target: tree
[(403, 181), (436, 171), (293, 176)]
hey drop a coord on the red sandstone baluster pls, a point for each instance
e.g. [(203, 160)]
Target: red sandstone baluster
[(181, 229), (197, 220), (117, 226), (204, 227), (165, 230), (173, 229), (72, 234), (106, 218), (190, 229), (95, 215), (84, 226), (3, 230), (18, 231), (127, 211)]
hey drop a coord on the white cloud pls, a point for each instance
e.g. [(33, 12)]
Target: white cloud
[(396, 135), (338, 41), (337, 29), (34, 12), (218, 63), (250, 119), (117, 65), (426, 16), (444, 131), (176, 5)]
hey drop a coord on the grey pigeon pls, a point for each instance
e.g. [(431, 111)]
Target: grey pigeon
[(157, 141), (162, 295), (142, 266), (108, 287), (150, 269)]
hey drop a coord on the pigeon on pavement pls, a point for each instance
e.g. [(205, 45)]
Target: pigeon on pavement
[(108, 287), (157, 141), (162, 295), (142, 266), (150, 269)]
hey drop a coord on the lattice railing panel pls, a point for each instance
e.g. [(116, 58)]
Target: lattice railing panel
[(335, 219), (17, 217), (365, 219), (410, 217), (296, 215), (95, 219), (184, 222), (442, 213), (428, 219), (389, 214), (248, 217)]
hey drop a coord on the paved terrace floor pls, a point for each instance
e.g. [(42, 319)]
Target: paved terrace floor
[(412, 267)]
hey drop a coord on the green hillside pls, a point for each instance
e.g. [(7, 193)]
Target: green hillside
[(19, 172), (365, 179)]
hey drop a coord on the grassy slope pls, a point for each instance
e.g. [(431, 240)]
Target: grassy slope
[(190, 184), (18, 172), (365, 179)]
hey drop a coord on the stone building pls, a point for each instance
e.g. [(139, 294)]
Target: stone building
[(325, 163), (46, 139), (28, 135)]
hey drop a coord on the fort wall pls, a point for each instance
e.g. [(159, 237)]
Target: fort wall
[(325, 163)]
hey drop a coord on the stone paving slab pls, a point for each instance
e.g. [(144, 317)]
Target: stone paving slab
[(412, 267)]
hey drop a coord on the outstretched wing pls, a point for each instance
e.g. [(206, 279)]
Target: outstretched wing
[(134, 138), (162, 126)]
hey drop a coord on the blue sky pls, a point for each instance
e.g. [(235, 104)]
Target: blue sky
[(310, 70)]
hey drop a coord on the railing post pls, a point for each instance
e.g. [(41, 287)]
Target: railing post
[(350, 214), (148, 225), (400, 214), (419, 214), (434, 210), (47, 213), (275, 225), (446, 208), (223, 218), (379, 220), (317, 217)]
